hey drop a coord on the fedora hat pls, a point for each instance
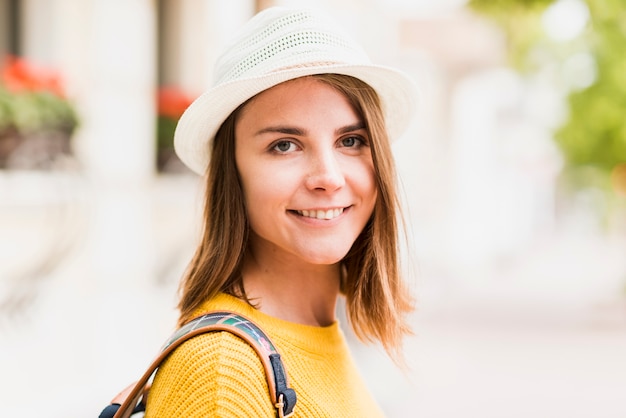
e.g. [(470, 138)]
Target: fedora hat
[(277, 45)]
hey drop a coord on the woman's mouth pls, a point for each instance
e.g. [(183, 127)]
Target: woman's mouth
[(325, 214)]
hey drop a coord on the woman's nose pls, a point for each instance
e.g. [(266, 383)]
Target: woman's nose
[(325, 172)]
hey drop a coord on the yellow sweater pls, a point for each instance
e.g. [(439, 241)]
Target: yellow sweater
[(219, 375)]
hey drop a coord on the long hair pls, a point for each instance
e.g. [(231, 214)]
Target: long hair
[(377, 300)]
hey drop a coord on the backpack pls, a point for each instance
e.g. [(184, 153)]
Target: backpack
[(133, 399)]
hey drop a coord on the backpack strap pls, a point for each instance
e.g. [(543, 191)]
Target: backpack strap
[(133, 398)]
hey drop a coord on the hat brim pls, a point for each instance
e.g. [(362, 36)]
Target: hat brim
[(199, 123)]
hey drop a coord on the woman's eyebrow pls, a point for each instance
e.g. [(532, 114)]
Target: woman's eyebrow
[(293, 130), (287, 130), (351, 128)]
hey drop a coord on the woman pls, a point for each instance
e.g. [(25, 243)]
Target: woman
[(301, 208)]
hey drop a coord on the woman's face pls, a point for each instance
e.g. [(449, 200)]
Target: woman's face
[(306, 170)]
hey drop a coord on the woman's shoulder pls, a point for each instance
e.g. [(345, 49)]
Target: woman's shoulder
[(215, 351), (213, 374)]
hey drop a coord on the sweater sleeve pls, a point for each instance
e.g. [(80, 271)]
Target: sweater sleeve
[(212, 375)]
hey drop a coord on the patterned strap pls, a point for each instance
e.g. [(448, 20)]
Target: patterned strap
[(230, 319), (283, 397)]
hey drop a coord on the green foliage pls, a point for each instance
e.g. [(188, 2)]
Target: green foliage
[(519, 19), (36, 111), (595, 133), (165, 128), (165, 132), (6, 110), (593, 137)]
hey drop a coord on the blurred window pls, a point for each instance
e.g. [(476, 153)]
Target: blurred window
[(10, 23)]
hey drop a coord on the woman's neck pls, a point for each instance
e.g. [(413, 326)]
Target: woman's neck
[(291, 290)]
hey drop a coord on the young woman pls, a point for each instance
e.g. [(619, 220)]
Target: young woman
[(301, 209)]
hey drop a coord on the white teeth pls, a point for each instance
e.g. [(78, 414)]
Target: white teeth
[(321, 214)]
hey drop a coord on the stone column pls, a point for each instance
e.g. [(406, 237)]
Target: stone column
[(118, 135), (197, 32)]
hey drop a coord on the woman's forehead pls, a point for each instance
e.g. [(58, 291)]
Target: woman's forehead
[(304, 103), (298, 90)]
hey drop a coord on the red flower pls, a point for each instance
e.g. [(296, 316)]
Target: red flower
[(19, 75), (172, 102)]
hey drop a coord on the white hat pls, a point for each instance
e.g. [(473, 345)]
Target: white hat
[(276, 45)]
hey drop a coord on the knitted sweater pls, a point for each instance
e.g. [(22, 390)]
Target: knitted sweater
[(219, 375)]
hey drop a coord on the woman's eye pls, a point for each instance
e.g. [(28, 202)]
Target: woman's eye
[(351, 141), (284, 146)]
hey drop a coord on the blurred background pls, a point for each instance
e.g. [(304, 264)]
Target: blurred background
[(514, 177)]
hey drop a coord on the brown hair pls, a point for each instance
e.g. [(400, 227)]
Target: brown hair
[(377, 298)]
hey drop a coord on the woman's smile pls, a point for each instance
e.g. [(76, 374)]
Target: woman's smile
[(322, 214)]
